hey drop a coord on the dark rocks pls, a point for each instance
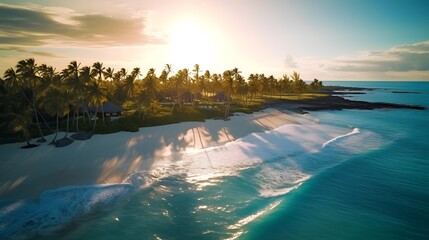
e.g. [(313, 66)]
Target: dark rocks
[(82, 135), (405, 92), (63, 142), (338, 103)]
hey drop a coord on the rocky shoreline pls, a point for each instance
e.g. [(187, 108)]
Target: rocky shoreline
[(333, 102), (339, 103)]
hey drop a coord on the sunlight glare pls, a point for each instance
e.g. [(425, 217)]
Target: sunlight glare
[(192, 43)]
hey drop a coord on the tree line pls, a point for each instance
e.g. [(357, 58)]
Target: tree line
[(30, 93)]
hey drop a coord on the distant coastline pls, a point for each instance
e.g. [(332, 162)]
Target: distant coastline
[(333, 102)]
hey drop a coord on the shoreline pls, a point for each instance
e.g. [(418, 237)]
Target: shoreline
[(110, 158), (336, 103)]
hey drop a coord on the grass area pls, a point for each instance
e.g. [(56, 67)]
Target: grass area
[(296, 97), (131, 120)]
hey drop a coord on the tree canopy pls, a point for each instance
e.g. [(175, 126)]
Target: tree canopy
[(51, 95)]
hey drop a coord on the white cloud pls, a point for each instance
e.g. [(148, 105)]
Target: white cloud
[(289, 62), (404, 62), (42, 26), (404, 58)]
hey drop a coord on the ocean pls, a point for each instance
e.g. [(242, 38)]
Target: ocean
[(349, 174)]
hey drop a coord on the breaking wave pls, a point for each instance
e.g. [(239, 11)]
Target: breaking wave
[(60, 207)]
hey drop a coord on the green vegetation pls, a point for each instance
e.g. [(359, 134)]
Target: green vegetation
[(37, 100)]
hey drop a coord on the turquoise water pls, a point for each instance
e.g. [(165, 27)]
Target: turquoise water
[(339, 175)]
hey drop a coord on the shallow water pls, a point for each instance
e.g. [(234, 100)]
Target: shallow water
[(336, 175)]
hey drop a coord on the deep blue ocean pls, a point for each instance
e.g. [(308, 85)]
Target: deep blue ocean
[(349, 174)]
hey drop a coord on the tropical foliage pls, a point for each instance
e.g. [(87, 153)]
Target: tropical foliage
[(38, 100)]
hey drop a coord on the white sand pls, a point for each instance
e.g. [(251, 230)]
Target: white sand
[(26, 173)]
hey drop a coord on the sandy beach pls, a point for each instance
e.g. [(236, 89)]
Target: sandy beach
[(110, 158)]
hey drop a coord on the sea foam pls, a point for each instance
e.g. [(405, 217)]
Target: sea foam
[(60, 207), (275, 177), (355, 131), (57, 208)]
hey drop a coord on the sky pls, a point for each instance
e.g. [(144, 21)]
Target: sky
[(327, 40)]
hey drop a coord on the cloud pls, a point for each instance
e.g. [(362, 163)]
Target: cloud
[(37, 53), (289, 62), (404, 58), (38, 26)]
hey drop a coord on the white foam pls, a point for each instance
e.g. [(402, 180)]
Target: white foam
[(56, 209), (279, 178), (59, 207), (254, 216), (355, 131), (277, 192), (286, 142)]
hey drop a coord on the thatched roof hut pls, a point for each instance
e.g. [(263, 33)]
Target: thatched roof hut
[(109, 109)]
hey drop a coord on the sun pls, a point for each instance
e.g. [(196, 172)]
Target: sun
[(192, 43)]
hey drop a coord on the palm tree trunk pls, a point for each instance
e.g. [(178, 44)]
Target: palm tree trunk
[(227, 109), (67, 126), (87, 113), (139, 107), (95, 119), (42, 139), (56, 132), (179, 100), (29, 102), (77, 121), (102, 113), (44, 120)]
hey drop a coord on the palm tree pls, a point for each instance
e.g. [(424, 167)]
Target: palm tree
[(179, 83), (73, 81), (48, 77), (204, 80), (108, 73), (27, 72), (316, 85), (86, 77), (12, 83), (186, 79), (229, 89), (195, 80), (20, 123), (119, 80), (263, 81), (98, 70), (136, 72), (168, 69), (239, 83), (285, 84), (150, 86), (129, 83), (299, 84), (69, 101), (110, 87), (235, 73), (241, 87), (196, 71), (272, 85), (54, 104), (163, 81), (216, 84), (122, 74), (254, 85), (96, 95)]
